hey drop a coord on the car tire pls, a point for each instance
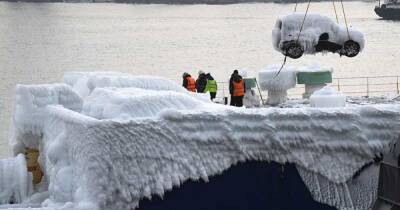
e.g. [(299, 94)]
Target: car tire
[(292, 49), (351, 48)]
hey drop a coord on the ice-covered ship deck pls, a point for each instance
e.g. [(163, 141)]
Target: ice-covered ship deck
[(108, 141)]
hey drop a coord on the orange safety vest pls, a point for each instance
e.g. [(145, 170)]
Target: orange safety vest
[(238, 88), (191, 86)]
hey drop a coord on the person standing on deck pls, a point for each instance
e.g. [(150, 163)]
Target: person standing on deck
[(201, 82), (236, 89), (188, 82), (211, 86)]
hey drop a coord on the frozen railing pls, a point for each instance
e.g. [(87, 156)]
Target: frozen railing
[(351, 86), (368, 86)]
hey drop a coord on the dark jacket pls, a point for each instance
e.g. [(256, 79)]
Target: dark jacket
[(201, 83), (235, 78), (185, 81)]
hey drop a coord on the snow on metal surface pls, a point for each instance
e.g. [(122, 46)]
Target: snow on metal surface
[(125, 103), (269, 78), (184, 145), (85, 82), (327, 97), (112, 163), (287, 28)]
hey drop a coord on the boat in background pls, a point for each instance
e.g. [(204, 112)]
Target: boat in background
[(389, 10)]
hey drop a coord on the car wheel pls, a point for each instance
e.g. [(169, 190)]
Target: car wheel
[(292, 49), (351, 48)]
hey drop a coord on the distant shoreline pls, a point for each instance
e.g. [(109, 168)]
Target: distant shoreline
[(175, 2)]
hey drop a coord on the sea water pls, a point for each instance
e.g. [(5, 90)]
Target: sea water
[(41, 41)]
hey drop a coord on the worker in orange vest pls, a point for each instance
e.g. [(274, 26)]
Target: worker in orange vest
[(236, 89), (188, 82)]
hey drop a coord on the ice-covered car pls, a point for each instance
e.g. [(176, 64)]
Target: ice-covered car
[(319, 34)]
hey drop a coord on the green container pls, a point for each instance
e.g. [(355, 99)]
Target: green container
[(314, 78), (250, 82)]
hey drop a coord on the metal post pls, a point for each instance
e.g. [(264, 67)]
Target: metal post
[(367, 86), (259, 91), (338, 84), (223, 90)]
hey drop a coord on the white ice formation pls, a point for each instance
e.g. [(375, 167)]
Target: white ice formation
[(125, 103), (315, 67), (30, 111), (85, 82), (277, 84), (327, 97), (287, 28), (15, 181), (251, 99), (113, 160), (357, 193)]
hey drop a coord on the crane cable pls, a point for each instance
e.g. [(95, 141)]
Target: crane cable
[(345, 19), (280, 69), (304, 20), (302, 24), (334, 8), (298, 36)]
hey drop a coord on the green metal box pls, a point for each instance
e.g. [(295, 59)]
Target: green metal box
[(250, 82), (314, 78)]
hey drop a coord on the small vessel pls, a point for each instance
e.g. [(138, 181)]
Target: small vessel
[(389, 10)]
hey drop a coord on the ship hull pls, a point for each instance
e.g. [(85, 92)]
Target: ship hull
[(251, 185), (388, 13)]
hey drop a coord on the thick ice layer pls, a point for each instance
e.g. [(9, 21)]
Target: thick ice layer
[(125, 103), (108, 159), (327, 97), (15, 181), (269, 79), (111, 164), (29, 111), (85, 82), (277, 84), (251, 99), (358, 193), (315, 67), (288, 27)]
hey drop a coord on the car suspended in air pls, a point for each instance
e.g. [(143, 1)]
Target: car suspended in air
[(298, 34)]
